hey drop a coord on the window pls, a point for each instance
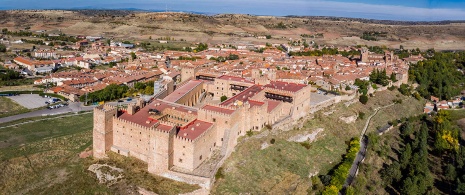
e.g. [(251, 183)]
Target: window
[(214, 119), (221, 139), (225, 122), (180, 160), (214, 144), (200, 158), (183, 146)]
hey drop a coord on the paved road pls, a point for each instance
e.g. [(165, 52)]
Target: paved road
[(363, 148), (73, 107)]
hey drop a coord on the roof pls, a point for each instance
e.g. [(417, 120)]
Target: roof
[(244, 95), (142, 116), (286, 86), (182, 91), (272, 104), (218, 109), (194, 129)]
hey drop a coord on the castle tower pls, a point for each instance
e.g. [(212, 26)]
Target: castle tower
[(256, 74), (103, 130), (160, 158), (364, 54), (187, 73), (272, 75)]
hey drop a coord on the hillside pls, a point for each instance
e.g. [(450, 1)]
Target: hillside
[(227, 28)]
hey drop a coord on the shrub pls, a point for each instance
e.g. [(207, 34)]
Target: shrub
[(305, 145), (361, 115), (249, 133), (219, 174), (223, 98), (363, 99), (272, 141)]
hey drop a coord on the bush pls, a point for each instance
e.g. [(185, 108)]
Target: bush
[(272, 141), (361, 115), (363, 99), (249, 133), (305, 145), (223, 98), (219, 174)]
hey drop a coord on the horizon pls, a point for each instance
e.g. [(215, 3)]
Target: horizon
[(396, 10)]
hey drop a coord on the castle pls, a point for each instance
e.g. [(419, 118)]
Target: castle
[(176, 133)]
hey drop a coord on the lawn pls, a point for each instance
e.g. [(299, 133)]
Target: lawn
[(43, 158), (285, 166)]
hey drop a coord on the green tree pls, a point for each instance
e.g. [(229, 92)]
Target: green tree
[(133, 56), (223, 98), (363, 99), (406, 156), (2, 48)]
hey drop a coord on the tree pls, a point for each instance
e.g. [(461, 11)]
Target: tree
[(363, 99), (133, 56), (223, 98), (2, 48), (347, 88), (4, 31), (406, 156), (331, 190), (450, 173), (393, 77), (392, 173), (404, 89)]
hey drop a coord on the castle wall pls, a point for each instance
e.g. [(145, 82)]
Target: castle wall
[(204, 146), (133, 138), (183, 155), (301, 103)]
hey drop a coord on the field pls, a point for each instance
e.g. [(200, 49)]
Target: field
[(43, 158), (286, 166), (8, 107), (230, 28)]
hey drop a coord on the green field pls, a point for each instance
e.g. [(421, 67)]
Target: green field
[(284, 167), (43, 158)]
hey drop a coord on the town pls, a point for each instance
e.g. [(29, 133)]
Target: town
[(196, 103)]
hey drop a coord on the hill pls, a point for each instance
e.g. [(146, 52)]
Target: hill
[(228, 28)]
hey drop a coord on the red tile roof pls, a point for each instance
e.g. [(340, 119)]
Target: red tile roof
[(182, 91), (293, 87), (194, 129), (218, 109), (244, 95)]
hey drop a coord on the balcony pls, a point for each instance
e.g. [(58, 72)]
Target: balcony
[(237, 87), (279, 97)]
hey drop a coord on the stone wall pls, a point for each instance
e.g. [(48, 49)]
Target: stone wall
[(103, 130)]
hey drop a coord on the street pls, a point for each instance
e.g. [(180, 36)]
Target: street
[(73, 107)]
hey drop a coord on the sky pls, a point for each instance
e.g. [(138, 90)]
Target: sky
[(404, 10)]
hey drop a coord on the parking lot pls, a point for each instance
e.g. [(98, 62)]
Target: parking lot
[(29, 101)]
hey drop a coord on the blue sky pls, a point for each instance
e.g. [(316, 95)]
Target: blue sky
[(414, 10)]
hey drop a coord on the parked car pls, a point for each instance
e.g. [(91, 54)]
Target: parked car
[(120, 100), (47, 103), (129, 99)]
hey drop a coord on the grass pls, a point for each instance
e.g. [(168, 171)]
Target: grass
[(8, 106), (42, 158), (252, 170)]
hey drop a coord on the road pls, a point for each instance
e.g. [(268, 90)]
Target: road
[(363, 148), (73, 107)]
